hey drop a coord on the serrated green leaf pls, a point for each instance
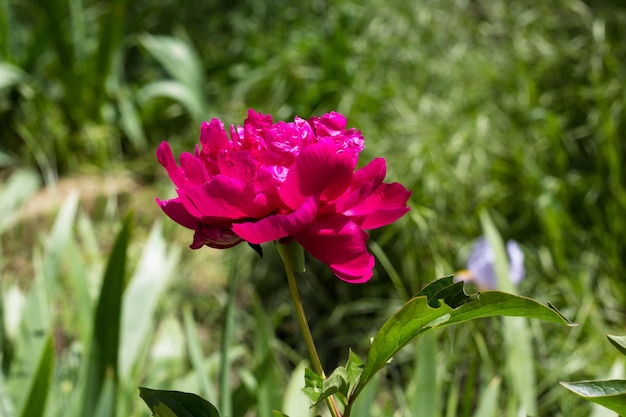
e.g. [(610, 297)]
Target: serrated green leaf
[(278, 414), (417, 316), (312, 385), (619, 342), (447, 290), (165, 403), (609, 393), (336, 384), (354, 367), (318, 389)]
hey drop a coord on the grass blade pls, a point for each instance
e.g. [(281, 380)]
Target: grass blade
[(488, 405), (35, 404), (195, 356), (103, 359), (140, 298)]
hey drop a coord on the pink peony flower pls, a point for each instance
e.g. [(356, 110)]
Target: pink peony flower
[(279, 181)]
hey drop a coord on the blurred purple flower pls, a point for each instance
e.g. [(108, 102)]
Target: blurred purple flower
[(481, 269)]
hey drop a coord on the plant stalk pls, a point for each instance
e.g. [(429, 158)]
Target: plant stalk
[(305, 329)]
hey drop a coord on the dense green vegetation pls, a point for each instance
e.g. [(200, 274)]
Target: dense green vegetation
[(517, 109)]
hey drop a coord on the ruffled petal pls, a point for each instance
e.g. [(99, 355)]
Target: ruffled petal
[(279, 225), (240, 165), (341, 244), (320, 169), (213, 138), (194, 169), (364, 181), (166, 158), (384, 206), (177, 212), (221, 198)]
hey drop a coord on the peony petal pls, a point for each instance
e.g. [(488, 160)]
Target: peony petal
[(213, 138), (373, 172), (364, 181), (193, 168), (166, 158), (384, 206), (220, 198), (177, 212), (279, 225), (330, 124), (240, 165), (341, 244), (321, 168)]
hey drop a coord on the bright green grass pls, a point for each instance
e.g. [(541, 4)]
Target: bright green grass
[(513, 108)]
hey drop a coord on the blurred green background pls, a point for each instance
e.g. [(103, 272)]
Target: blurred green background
[(517, 109)]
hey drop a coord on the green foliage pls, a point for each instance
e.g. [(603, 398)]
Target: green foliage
[(35, 403), (608, 393), (103, 357), (420, 315), (176, 404), (511, 109)]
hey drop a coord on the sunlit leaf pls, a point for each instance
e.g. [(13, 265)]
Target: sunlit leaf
[(312, 385), (140, 298), (295, 401), (176, 91), (488, 402), (417, 317), (10, 75), (610, 393), (354, 367), (164, 403), (619, 342), (318, 389)]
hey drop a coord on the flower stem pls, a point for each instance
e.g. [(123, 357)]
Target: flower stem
[(304, 325)]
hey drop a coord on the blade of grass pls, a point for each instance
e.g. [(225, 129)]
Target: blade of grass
[(150, 279), (423, 392), (14, 192), (194, 348), (5, 30), (488, 405), (517, 341), (295, 402), (35, 404), (103, 357), (267, 369), (110, 37)]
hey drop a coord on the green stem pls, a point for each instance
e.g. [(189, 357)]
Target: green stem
[(229, 319), (304, 326)]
